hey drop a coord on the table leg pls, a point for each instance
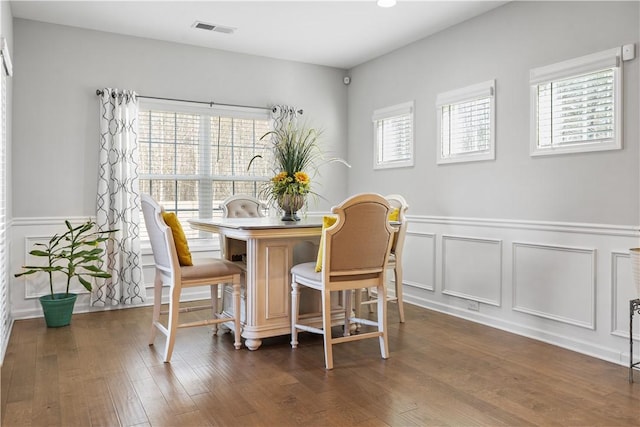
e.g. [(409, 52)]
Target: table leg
[(253, 344)]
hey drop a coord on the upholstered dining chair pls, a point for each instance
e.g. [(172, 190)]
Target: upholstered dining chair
[(399, 206), (355, 252), (178, 271), (239, 206), (242, 206)]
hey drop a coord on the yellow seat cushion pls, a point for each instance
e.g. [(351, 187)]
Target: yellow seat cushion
[(327, 221), (180, 240), (394, 215)]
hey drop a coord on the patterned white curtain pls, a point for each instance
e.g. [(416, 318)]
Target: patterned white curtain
[(118, 201), (281, 115)]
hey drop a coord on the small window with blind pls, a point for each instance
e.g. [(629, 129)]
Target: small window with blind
[(466, 124), (192, 158), (393, 135), (576, 105)]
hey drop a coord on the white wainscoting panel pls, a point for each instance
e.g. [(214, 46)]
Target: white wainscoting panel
[(555, 282), (622, 291), (419, 260), (472, 268)]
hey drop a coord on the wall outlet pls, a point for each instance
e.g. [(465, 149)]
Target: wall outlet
[(473, 305)]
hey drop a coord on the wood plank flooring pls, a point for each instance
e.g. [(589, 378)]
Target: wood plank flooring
[(443, 371)]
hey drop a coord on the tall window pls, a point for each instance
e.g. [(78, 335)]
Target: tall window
[(393, 134), (191, 159), (6, 70), (576, 105), (466, 123)]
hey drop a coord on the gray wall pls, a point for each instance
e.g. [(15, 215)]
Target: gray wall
[(503, 44), (58, 70)]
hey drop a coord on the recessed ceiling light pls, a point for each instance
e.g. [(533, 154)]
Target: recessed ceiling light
[(386, 3)]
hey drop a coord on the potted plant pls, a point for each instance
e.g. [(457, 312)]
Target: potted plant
[(295, 151), (73, 253)]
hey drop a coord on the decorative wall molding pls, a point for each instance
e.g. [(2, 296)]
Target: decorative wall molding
[(622, 290), (48, 221), (541, 277), (419, 255), (596, 252), (472, 268), (565, 227)]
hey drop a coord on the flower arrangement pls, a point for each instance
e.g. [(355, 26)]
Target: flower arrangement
[(295, 152), (283, 183)]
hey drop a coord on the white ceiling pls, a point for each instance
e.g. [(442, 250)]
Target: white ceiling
[(339, 34)]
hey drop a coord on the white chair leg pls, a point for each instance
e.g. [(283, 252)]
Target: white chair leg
[(382, 320), (357, 301), (347, 296), (172, 325), (326, 328), (157, 303), (236, 313), (214, 306), (397, 275), (295, 307), (368, 291)]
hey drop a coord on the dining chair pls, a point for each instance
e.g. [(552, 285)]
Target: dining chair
[(173, 268), (355, 252), (400, 205), (239, 206), (242, 206)]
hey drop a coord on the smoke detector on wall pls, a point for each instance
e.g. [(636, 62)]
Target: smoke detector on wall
[(213, 27)]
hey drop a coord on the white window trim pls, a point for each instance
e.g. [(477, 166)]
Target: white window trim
[(468, 93), (570, 68), (250, 113), (405, 108)]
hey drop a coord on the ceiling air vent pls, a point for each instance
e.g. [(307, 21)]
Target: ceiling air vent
[(213, 27)]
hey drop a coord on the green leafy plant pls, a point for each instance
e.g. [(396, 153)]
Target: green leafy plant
[(74, 253), (295, 153)]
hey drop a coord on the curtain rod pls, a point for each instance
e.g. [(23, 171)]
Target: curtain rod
[(99, 92)]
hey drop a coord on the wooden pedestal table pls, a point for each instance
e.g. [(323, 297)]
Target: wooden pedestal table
[(269, 247)]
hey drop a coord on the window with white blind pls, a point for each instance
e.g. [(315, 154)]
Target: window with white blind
[(576, 105), (393, 135), (466, 124), (192, 158), (5, 316)]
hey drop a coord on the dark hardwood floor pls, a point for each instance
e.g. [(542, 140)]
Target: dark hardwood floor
[(443, 371)]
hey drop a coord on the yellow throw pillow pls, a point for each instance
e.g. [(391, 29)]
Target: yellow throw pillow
[(394, 214), (327, 222), (180, 240)]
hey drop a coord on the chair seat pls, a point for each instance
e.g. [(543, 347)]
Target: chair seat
[(209, 268), (307, 271)]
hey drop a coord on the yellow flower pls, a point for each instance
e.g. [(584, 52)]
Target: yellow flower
[(282, 176), (301, 177)]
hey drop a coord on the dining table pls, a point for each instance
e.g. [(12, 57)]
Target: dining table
[(266, 248)]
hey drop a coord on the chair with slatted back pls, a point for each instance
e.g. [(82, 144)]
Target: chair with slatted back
[(398, 203), (355, 254), (169, 272)]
